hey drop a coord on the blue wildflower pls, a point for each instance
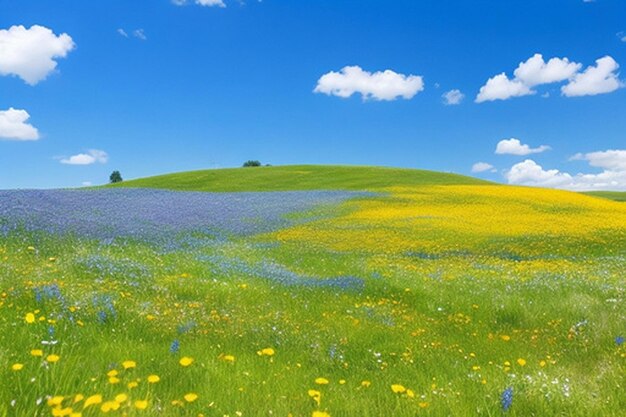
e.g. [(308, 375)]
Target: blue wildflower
[(507, 398), (175, 346), (619, 340)]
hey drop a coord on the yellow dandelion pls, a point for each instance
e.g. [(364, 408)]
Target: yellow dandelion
[(30, 318), (93, 400), (542, 363), (316, 396), (505, 337), (153, 379), (423, 404), (132, 384), (53, 358), (109, 406), (112, 373), (78, 397), (185, 361), (410, 393), (266, 352), (228, 358), (121, 398), (62, 412), (129, 364), (320, 414), (114, 380), (36, 352), (342, 381), (365, 383), (191, 397), (321, 381), (17, 366), (141, 404), (398, 389), (55, 401), (521, 362)]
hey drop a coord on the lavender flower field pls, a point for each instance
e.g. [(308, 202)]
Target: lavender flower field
[(146, 302)]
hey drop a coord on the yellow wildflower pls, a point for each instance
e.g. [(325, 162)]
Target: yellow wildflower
[(320, 414), (17, 366), (321, 381), (185, 361), (191, 397), (36, 352), (366, 383), (521, 362), (398, 389), (120, 398), (54, 401), (153, 379), (30, 318), (266, 352), (228, 358), (94, 399), (109, 406), (141, 404), (53, 358), (129, 364), (316, 396)]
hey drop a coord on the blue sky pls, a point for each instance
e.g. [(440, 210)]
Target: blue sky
[(192, 86)]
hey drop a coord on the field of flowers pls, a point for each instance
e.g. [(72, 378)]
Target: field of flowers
[(423, 300)]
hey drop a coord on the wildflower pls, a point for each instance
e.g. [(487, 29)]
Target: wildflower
[(114, 380), (17, 366), (266, 352), (342, 381), (78, 397), (141, 404), (366, 384), (30, 318), (423, 404), (315, 395), (153, 379), (228, 358), (120, 398), (619, 340), (185, 361), (133, 384), (53, 358), (174, 347), (321, 381), (109, 406), (94, 399), (398, 389), (129, 364), (36, 352), (505, 337), (320, 414), (191, 397), (54, 401), (542, 363), (521, 362), (507, 398)]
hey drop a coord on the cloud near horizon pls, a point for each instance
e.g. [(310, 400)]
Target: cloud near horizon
[(453, 97), (482, 167), (515, 147), (91, 157), (612, 177), (31, 53), (14, 126), (603, 78), (206, 3), (381, 85)]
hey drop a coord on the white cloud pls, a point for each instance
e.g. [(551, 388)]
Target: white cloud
[(86, 183), (601, 79), (536, 71), (612, 177), (91, 157), (207, 3), (382, 85), (30, 53), (453, 97), (13, 125), (482, 167), (122, 32), (515, 147), (501, 88), (139, 34)]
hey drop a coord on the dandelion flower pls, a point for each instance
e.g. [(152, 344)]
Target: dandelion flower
[(141, 404), (94, 399), (521, 362), (365, 384), (133, 384), (17, 366), (36, 352), (228, 358), (109, 406), (112, 373), (129, 364), (316, 396), (153, 379), (185, 361), (320, 414), (55, 401), (78, 397), (191, 397), (423, 404), (120, 398), (30, 318), (53, 358), (398, 389), (114, 380), (321, 381)]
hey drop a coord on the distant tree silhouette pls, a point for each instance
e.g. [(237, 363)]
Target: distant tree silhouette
[(252, 164), (115, 177)]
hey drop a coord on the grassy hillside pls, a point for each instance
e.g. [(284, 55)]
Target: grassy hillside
[(611, 195), (298, 177)]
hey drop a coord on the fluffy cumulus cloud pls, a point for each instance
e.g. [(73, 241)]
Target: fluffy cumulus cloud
[(482, 167), (516, 147), (453, 97), (31, 53), (91, 157), (14, 126), (207, 3), (599, 79), (612, 176), (535, 71), (381, 85)]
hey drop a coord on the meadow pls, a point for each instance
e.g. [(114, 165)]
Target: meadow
[(312, 292)]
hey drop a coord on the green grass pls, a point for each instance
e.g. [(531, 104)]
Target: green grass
[(537, 311), (298, 177), (611, 195)]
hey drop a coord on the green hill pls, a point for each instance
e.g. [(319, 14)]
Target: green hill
[(611, 195), (298, 177)]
